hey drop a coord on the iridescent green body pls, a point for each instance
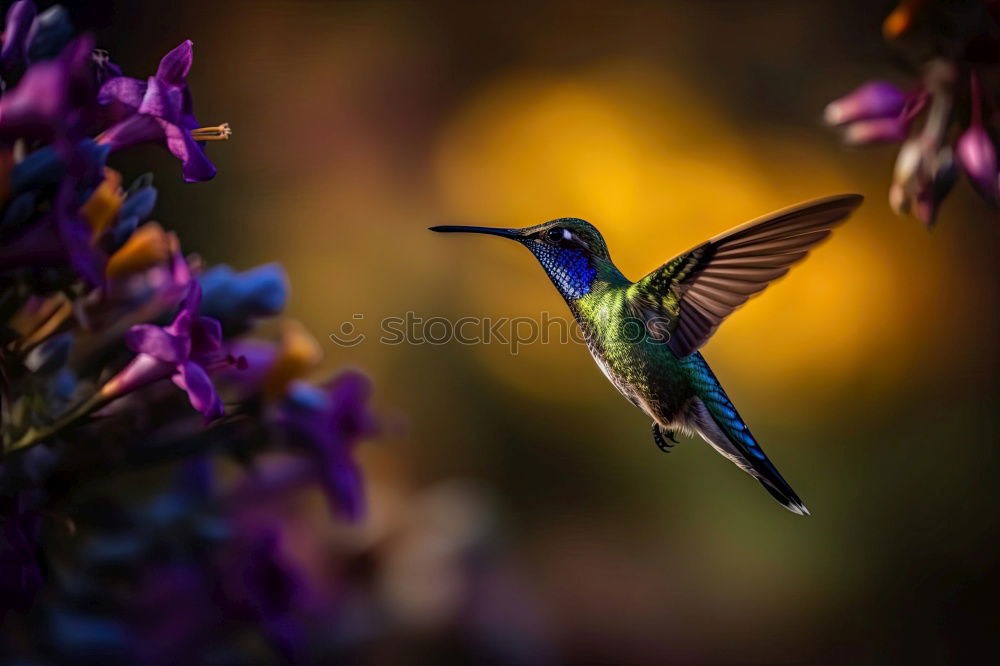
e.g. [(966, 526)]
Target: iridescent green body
[(642, 368), (645, 335)]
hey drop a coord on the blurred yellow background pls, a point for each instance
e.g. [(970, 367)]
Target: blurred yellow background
[(869, 374)]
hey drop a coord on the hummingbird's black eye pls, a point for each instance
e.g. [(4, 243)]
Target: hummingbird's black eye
[(556, 234)]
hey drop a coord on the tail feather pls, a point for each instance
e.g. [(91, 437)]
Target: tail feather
[(787, 497), (713, 416)]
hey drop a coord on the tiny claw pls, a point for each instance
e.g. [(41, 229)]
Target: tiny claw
[(660, 442)]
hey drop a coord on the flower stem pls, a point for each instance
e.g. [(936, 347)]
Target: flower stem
[(976, 100), (36, 435)]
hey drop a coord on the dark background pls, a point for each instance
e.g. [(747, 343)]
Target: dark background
[(869, 375)]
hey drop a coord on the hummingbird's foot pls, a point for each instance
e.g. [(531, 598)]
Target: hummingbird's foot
[(660, 442)]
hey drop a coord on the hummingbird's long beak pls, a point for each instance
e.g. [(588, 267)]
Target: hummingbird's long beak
[(506, 233)]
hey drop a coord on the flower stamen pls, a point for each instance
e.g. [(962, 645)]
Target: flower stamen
[(228, 361), (219, 133)]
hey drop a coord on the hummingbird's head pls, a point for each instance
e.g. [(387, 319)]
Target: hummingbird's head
[(572, 251)]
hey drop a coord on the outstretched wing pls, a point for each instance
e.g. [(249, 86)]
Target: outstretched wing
[(686, 299)]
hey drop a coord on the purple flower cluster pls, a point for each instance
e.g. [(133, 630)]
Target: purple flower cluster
[(102, 319), (948, 122)]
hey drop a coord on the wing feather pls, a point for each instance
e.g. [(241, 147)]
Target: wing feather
[(697, 290)]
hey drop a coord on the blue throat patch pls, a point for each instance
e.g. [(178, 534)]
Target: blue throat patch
[(569, 269)]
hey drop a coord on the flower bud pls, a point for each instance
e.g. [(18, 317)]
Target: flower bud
[(924, 174), (978, 157), (149, 246), (875, 99), (876, 130), (237, 299)]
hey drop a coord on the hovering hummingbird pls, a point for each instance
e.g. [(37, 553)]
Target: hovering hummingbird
[(645, 335)]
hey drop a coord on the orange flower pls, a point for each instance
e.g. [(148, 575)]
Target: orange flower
[(901, 19), (149, 246), (298, 355), (103, 205)]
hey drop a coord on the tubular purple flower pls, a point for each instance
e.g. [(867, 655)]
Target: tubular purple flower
[(160, 110), (186, 351), (20, 16), (877, 130), (976, 151), (978, 157), (54, 99), (875, 99), (145, 129), (327, 423), (63, 236), (262, 584), (33, 107), (260, 357), (925, 167), (104, 69)]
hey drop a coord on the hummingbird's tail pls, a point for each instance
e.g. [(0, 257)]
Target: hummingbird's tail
[(713, 416)]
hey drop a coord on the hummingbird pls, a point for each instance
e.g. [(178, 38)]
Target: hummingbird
[(645, 335)]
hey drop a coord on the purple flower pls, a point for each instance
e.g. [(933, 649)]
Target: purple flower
[(54, 100), (978, 157), (272, 367), (20, 576), (262, 585), (925, 167), (875, 99), (149, 269), (924, 174), (260, 357), (20, 16), (63, 236), (929, 158), (186, 351), (160, 110), (104, 69), (976, 151), (327, 423), (172, 615), (877, 112), (877, 130)]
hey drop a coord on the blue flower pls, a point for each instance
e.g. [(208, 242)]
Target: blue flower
[(29, 36), (46, 166), (237, 299)]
